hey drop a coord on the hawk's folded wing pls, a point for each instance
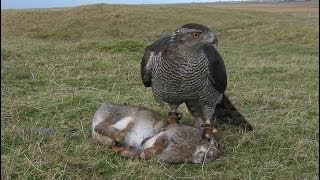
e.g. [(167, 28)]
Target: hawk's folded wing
[(150, 55)]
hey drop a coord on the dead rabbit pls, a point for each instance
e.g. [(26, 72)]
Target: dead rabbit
[(137, 132)]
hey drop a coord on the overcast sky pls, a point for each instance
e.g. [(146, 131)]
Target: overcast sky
[(18, 4)]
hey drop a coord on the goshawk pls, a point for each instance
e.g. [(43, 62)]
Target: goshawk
[(185, 67)]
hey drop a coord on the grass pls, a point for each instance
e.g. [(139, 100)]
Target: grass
[(59, 65)]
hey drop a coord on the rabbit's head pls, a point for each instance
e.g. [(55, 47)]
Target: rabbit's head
[(205, 152)]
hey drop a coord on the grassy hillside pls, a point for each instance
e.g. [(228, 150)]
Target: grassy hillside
[(59, 65), (149, 22)]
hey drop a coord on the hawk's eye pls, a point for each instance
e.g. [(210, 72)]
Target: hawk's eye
[(196, 34)]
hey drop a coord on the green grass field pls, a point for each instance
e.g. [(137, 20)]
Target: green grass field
[(59, 65)]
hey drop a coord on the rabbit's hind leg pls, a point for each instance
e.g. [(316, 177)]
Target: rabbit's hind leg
[(105, 129), (126, 152), (159, 145), (104, 140)]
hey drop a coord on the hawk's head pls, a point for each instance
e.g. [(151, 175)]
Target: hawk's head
[(193, 35)]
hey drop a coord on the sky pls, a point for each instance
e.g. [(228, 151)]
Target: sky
[(22, 4)]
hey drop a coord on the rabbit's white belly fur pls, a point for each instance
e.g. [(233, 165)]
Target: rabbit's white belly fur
[(122, 123), (141, 130)]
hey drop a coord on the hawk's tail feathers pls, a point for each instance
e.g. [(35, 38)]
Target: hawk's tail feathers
[(227, 112)]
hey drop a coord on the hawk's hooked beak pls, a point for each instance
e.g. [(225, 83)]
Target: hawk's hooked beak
[(214, 39)]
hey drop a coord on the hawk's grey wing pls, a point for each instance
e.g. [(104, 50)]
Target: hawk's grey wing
[(217, 70), (150, 53), (225, 110)]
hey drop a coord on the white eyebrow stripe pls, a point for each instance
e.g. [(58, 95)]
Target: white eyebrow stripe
[(183, 30), (186, 30)]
